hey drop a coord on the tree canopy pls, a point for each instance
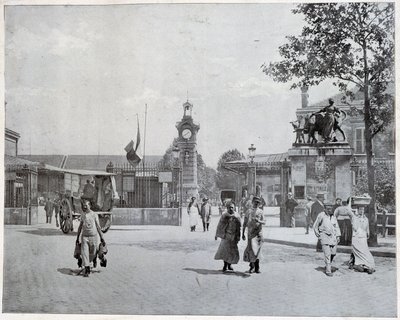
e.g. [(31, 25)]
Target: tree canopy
[(352, 43), (226, 179)]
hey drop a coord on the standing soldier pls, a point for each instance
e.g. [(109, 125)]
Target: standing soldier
[(253, 220), (290, 205), (309, 221), (316, 209), (205, 213), (48, 207)]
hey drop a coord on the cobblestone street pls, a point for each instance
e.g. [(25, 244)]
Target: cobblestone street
[(169, 270)]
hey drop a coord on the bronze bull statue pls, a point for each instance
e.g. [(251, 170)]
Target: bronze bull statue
[(317, 126)]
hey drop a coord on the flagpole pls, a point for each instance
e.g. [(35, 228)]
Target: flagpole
[(144, 136)]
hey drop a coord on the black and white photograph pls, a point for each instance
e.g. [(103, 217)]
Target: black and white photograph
[(199, 159)]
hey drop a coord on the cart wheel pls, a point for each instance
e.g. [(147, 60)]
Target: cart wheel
[(105, 222), (65, 216)]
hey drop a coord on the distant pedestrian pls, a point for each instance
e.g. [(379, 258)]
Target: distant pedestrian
[(205, 212), (228, 230), (308, 214), (316, 209), (193, 212), (254, 221), (89, 192), (326, 229), (49, 207), (57, 202), (90, 227), (342, 214), (290, 205)]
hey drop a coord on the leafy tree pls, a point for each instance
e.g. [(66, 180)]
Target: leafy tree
[(352, 43), (226, 179), (206, 179), (385, 189)]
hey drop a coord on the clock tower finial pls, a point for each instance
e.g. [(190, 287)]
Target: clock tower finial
[(187, 110)]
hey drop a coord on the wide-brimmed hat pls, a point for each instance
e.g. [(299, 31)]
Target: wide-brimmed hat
[(309, 198), (205, 199)]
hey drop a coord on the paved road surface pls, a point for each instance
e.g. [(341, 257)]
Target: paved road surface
[(170, 270)]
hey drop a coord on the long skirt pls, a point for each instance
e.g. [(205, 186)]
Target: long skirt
[(227, 251), (88, 249), (346, 231), (362, 255), (193, 218), (253, 249)]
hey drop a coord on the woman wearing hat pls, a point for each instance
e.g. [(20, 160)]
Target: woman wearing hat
[(193, 212), (228, 230), (253, 220)]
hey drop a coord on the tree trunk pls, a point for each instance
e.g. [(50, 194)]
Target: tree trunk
[(373, 239)]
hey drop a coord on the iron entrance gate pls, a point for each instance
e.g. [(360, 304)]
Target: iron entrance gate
[(153, 185)]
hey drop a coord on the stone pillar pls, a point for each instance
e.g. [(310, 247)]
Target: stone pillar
[(285, 170), (304, 97), (251, 179)]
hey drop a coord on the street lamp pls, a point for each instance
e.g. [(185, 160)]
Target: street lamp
[(252, 171), (177, 181), (252, 153)]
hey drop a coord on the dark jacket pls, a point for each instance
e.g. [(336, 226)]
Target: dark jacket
[(316, 209)]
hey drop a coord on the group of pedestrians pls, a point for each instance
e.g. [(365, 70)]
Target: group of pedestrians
[(229, 231), (353, 228), (195, 210)]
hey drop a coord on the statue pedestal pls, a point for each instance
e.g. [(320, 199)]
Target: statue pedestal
[(321, 168)]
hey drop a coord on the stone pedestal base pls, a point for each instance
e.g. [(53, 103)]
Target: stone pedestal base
[(321, 168)]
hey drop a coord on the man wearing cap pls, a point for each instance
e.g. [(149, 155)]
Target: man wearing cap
[(290, 205), (327, 229), (205, 213), (254, 221), (308, 213), (316, 209)]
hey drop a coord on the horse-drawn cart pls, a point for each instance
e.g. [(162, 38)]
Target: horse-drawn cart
[(102, 197)]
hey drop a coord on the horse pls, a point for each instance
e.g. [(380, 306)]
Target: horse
[(316, 125)]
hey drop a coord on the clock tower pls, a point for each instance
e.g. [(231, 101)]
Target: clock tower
[(187, 130)]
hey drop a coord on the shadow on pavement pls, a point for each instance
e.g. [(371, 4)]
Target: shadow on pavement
[(75, 272), (131, 229), (228, 273), (48, 232), (322, 269)]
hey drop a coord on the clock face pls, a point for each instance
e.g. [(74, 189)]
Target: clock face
[(186, 134)]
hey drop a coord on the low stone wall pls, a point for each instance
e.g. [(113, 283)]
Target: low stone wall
[(21, 216), (146, 216)]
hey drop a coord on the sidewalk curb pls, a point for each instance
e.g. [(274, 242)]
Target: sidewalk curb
[(341, 249)]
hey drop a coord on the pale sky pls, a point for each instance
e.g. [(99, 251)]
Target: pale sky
[(75, 76)]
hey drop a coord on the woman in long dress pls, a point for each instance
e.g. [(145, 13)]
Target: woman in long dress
[(253, 220), (193, 212), (228, 230), (361, 258)]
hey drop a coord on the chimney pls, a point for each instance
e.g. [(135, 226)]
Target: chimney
[(304, 97)]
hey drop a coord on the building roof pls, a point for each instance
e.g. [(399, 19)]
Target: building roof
[(85, 162), (10, 161)]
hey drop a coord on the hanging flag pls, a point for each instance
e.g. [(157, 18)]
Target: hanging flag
[(132, 151)]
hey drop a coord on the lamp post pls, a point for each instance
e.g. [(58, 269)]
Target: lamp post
[(177, 181), (252, 170)]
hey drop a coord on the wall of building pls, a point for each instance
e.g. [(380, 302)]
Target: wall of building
[(146, 216), (270, 187), (10, 148)]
